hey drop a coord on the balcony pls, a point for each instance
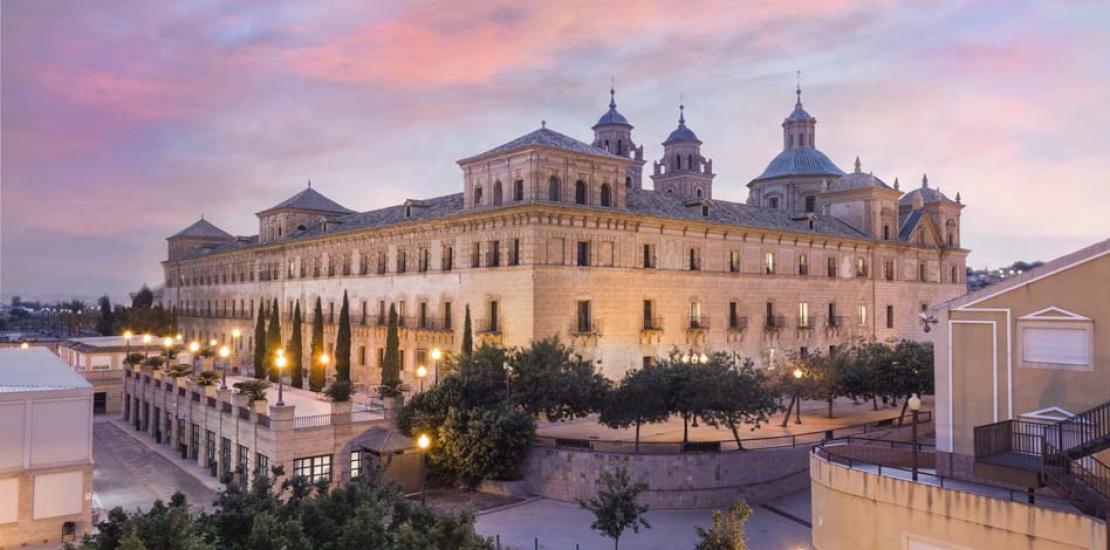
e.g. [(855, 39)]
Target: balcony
[(737, 324), (583, 327), (835, 322), (806, 322), (489, 326), (1010, 451), (652, 324), (698, 322), (774, 323), (427, 323)]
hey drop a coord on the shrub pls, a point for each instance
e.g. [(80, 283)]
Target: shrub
[(255, 389), (207, 378), (340, 390), (727, 532), (490, 443)]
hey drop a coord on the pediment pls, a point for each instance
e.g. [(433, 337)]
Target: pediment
[(1053, 313)]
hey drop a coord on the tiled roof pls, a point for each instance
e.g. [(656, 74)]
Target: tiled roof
[(547, 138), (429, 208), (910, 224), (36, 369), (800, 161), (202, 229), (310, 199), (928, 195)]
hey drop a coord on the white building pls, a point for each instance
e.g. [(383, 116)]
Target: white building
[(45, 448)]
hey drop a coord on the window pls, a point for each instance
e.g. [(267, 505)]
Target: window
[(448, 258), (889, 316), (886, 232), (243, 466), (497, 193), (921, 271), (356, 464), (580, 192), (478, 196), (650, 322), (803, 264), (261, 464), (861, 267), (518, 190), (769, 310), (733, 315), (832, 266), (425, 259), (734, 261), (422, 320), (606, 195), (888, 270), (402, 261), (769, 263), (313, 468), (773, 202), (628, 182), (447, 315), (583, 253), (695, 259), (811, 203), (495, 254), (649, 256), (696, 319), (493, 313), (585, 323), (553, 189), (834, 321), (804, 320), (476, 255), (954, 277), (362, 355), (862, 315), (364, 313), (704, 208), (514, 253)]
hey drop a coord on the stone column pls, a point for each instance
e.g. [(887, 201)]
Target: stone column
[(281, 427)]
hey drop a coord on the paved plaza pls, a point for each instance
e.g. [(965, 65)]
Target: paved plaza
[(814, 419), (781, 524), (129, 474)]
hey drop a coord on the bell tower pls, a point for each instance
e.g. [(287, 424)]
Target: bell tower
[(683, 170)]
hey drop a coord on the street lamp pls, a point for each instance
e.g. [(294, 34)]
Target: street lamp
[(224, 352), (915, 406), (703, 358), (798, 373), (421, 372), (146, 342), (508, 373), (235, 344), (127, 334), (279, 362), (436, 355), (423, 442), (167, 343), (24, 345), (324, 359)]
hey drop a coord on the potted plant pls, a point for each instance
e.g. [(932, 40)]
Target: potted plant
[(155, 364), (207, 380), (339, 391), (135, 361), (180, 374), (393, 394), (207, 356), (255, 390)]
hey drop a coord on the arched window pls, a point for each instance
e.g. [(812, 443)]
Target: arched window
[(811, 203), (606, 145), (620, 147), (518, 190), (677, 162), (628, 182), (553, 189), (698, 192), (497, 193), (689, 162), (773, 202), (580, 192), (478, 196), (606, 199)]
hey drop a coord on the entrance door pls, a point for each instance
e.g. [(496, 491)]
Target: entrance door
[(100, 402)]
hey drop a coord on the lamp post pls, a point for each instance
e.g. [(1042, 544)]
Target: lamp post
[(167, 343), (235, 335), (703, 358), (279, 362), (437, 354), (508, 376), (798, 374), (915, 406), (224, 353), (127, 334), (423, 442), (421, 372), (324, 358), (194, 347), (146, 342)]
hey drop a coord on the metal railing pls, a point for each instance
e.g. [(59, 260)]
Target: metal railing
[(738, 323), (774, 322), (652, 324), (368, 416), (625, 446), (806, 322), (698, 322), (488, 326), (1018, 440), (583, 327), (314, 421)]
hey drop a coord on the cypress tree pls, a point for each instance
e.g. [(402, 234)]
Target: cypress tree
[(295, 349), (468, 336), (260, 342), (316, 369), (343, 343), (273, 341), (391, 366)]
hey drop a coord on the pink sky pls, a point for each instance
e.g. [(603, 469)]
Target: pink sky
[(123, 121)]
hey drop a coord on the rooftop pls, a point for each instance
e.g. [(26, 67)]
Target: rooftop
[(310, 199), (544, 137), (36, 369), (110, 343), (202, 229), (800, 161)]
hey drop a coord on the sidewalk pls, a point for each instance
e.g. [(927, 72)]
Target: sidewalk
[(188, 466)]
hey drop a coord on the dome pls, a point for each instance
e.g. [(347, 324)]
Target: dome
[(612, 116), (799, 114), (682, 133), (857, 180), (927, 194), (802, 161)]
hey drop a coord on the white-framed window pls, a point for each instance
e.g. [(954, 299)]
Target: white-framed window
[(862, 315), (769, 263), (356, 464), (803, 315), (313, 468)]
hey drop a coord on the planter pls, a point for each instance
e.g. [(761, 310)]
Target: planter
[(181, 381), (260, 406), (158, 375), (393, 403), (516, 489), (210, 390), (136, 368)]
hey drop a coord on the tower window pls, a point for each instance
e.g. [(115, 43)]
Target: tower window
[(477, 196), (698, 192), (518, 190), (704, 209), (606, 195), (497, 193), (773, 202), (886, 232), (620, 147), (553, 189), (580, 192), (628, 182), (811, 203)]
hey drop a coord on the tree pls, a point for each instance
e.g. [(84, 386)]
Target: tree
[(273, 341), (639, 399), (688, 393), (316, 366), (475, 382), (823, 377), (260, 341), (615, 508), (343, 343), (483, 443), (863, 375), (106, 323), (143, 299), (547, 378), (468, 335), (910, 372), (727, 532), (296, 350), (737, 394), (391, 364)]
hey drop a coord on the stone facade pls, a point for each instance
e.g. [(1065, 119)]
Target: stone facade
[(548, 238)]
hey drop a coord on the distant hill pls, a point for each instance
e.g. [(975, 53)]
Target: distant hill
[(980, 278)]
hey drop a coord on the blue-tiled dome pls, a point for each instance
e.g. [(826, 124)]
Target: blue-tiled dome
[(682, 133), (800, 161), (799, 114), (612, 116)]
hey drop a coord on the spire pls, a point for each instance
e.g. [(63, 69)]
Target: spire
[(798, 90), (958, 201), (681, 115), (310, 183), (925, 181), (543, 124), (612, 97), (896, 183), (857, 165)]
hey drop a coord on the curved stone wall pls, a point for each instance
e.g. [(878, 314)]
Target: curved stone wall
[(689, 480)]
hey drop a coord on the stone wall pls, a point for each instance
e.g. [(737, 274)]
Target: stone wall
[(690, 480)]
